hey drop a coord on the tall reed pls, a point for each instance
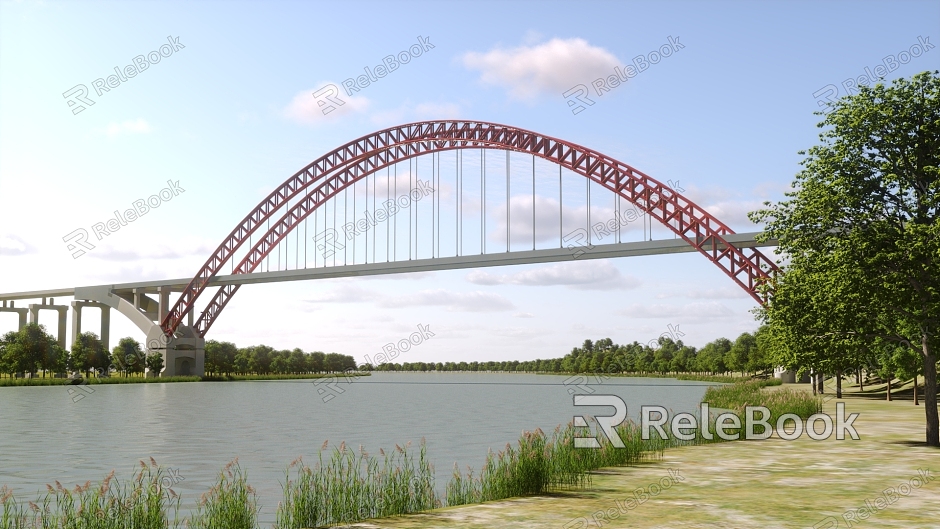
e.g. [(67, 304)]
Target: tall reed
[(737, 397), (542, 463), (350, 486), (230, 504), (142, 504)]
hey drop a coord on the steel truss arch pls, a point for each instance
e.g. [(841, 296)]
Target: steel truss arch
[(342, 167)]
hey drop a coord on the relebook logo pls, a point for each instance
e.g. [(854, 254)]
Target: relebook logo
[(77, 96), (685, 426), (78, 239)]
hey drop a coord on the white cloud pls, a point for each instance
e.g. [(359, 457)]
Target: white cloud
[(347, 293), (409, 276), (453, 301), (681, 313), (723, 204), (131, 246), (727, 292), (551, 67), (518, 333), (437, 110), (138, 126), (523, 315), (586, 275), (304, 108), (12, 245), (734, 212), (421, 111), (546, 220)]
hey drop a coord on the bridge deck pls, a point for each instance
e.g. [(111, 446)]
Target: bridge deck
[(604, 251)]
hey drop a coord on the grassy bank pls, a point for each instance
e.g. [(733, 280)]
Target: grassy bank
[(745, 485), (19, 382), (49, 381)]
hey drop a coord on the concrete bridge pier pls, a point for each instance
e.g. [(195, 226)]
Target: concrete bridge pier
[(23, 311), (183, 353), (63, 315), (77, 307)]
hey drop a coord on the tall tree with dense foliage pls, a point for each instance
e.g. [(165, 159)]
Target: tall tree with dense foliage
[(29, 350), (88, 353), (154, 362), (6, 353), (860, 234), (220, 357), (128, 357)]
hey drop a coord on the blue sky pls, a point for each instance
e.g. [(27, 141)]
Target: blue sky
[(231, 115)]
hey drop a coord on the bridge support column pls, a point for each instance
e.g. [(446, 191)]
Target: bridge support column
[(163, 302), (183, 353), (21, 311), (77, 307), (63, 315)]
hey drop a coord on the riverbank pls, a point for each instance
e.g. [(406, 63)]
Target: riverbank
[(745, 484), (50, 381)]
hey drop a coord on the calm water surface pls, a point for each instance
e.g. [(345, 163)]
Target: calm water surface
[(196, 428)]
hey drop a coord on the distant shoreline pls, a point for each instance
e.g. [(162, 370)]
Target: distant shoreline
[(51, 381)]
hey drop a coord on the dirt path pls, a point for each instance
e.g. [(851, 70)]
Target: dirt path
[(744, 484)]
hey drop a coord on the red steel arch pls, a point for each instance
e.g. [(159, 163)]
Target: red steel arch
[(338, 169)]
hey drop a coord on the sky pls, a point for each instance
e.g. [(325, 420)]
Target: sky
[(721, 103)]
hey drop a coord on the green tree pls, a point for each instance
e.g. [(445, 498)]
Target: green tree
[(760, 357), (315, 362), (711, 358), (860, 234), (6, 353), (220, 357), (664, 354), (739, 354), (297, 362), (29, 350), (279, 362), (261, 358), (242, 363), (154, 363), (127, 356), (88, 353), (56, 359)]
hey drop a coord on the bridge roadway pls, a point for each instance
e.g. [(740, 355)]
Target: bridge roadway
[(604, 251)]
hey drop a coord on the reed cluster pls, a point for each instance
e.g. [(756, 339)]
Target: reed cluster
[(144, 503), (737, 397), (542, 463), (351, 486), (230, 504)]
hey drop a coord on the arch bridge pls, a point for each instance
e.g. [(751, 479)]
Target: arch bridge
[(431, 195)]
